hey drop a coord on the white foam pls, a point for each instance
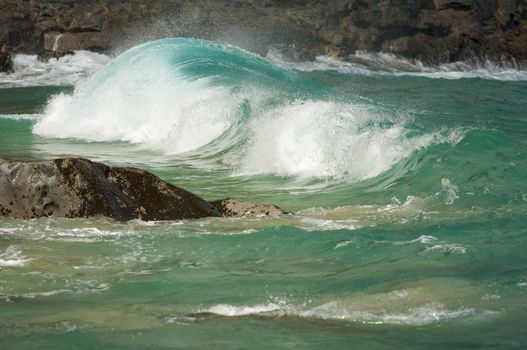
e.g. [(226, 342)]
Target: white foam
[(418, 316), (303, 139), (231, 310), (85, 235), (425, 314), (67, 70), (88, 232), (327, 139), (343, 244), (370, 63), (9, 231), (434, 245), (20, 116), (12, 257), (319, 224), (423, 239), (144, 103), (450, 189), (450, 248), (45, 294)]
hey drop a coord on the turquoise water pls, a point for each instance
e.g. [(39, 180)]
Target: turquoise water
[(409, 187)]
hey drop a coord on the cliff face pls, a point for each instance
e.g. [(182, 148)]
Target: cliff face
[(430, 30)]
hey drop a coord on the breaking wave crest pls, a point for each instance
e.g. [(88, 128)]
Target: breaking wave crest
[(422, 315), (184, 97), (415, 304)]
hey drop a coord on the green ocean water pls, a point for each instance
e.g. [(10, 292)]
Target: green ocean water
[(409, 187)]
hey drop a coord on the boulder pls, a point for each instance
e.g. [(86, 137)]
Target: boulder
[(76, 187)]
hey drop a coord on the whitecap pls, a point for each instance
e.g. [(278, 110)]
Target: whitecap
[(319, 224), (343, 244), (450, 189), (417, 316), (308, 139), (13, 257), (32, 117), (231, 310), (33, 295), (371, 63), (423, 239), (450, 248), (426, 314)]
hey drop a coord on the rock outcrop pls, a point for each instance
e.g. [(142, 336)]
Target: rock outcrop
[(76, 187), (430, 30)]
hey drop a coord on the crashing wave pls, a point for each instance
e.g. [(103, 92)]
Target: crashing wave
[(199, 98)]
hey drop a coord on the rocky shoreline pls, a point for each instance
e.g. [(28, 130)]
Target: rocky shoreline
[(432, 31), (77, 187)]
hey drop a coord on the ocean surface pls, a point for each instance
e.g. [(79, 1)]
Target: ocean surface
[(409, 185)]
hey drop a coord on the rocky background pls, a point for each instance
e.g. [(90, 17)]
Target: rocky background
[(430, 30)]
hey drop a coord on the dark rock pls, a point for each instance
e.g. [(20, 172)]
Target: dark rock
[(485, 9), (235, 208), (6, 64), (76, 187), (46, 55)]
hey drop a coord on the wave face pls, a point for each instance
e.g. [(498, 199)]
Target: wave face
[(208, 100)]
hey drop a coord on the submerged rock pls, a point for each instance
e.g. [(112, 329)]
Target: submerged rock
[(76, 187), (234, 208)]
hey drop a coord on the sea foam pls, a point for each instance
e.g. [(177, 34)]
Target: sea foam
[(382, 63), (12, 257), (66, 70), (327, 139), (422, 315)]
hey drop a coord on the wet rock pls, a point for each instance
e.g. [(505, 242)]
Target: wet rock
[(6, 64), (68, 42), (46, 55), (76, 187), (235, 208)]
